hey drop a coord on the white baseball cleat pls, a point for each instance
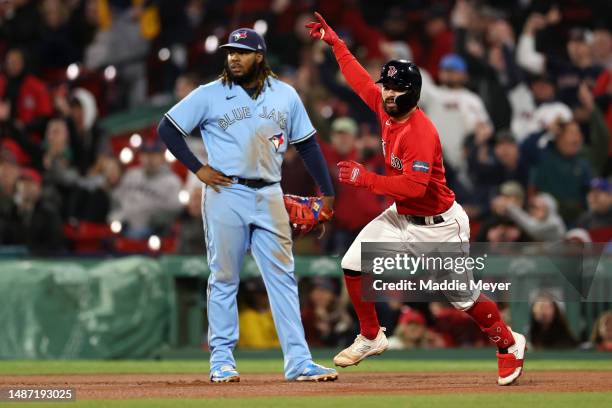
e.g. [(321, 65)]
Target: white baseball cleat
[(510, 365), (362, 348)]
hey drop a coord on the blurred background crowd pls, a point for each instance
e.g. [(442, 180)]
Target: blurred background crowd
[(520, 92)]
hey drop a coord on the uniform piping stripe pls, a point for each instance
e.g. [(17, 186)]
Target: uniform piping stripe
[(176, 125), (304, 138)]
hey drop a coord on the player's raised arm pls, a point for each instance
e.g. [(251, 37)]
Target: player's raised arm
[(356, 75)]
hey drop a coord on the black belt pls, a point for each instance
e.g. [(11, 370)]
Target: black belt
[(253, 183), (416, 219)]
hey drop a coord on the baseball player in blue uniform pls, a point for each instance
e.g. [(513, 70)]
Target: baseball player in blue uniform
[(247, 119)]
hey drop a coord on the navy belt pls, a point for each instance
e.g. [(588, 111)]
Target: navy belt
[(418, 220), (253, 183)]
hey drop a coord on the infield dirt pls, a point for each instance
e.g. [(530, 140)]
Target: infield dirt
[(167, 386)]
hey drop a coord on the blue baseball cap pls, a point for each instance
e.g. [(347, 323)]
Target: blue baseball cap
[(246, 39), (602, 184), (453, 62)]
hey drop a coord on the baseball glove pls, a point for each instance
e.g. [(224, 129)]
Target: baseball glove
[(305, 213)]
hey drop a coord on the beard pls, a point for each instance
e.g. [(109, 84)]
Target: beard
[(246, 77), (395, 111)]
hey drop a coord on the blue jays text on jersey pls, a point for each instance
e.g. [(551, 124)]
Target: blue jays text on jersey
[(244, 137)]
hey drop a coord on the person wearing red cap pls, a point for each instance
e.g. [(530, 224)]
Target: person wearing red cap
[(412, 332), (33, 221)]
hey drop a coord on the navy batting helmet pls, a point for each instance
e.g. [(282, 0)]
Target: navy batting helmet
[(406, 76)]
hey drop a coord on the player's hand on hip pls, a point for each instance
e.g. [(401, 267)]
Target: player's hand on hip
[(353, 173), (213, 178), (320, 30)]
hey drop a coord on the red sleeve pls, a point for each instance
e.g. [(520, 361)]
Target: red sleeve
[(417, 163), (44, 105), (357, 77)]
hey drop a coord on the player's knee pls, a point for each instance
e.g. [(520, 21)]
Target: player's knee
[(350, 272)]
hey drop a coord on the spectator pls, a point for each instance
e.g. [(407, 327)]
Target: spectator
[(57, 47), (348, 219), (563, 173), (599, 199), (492, 164), (184, 84), (29, 99), (412, 332), (123, 40), (455, 110), (486, 41), (326, 318), (568, 73), (498, 227), (9, 174), (601, 337), (255, 321), (456, 328), (34, 222), (548, 328), (191, 230), (541, 222), (534, 105), (86, 137), (91, 199), (593, 126), (546, 117), (147, 197)]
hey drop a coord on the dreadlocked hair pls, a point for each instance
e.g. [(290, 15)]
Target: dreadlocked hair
[(263, 72)]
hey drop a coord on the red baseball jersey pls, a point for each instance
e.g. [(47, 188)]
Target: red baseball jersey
[(413, 153)]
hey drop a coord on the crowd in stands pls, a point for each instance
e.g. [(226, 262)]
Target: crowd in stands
[(520, 92)]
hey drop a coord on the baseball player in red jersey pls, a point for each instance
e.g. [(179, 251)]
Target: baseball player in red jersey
[(425, 209)]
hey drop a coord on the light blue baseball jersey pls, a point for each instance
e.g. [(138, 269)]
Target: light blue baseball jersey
[(244, 137)]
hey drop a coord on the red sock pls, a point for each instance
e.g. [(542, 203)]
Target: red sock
[(486, 314), (366, 312)]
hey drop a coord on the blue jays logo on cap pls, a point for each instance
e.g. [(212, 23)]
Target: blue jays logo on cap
[(239, 35), (246, 39)]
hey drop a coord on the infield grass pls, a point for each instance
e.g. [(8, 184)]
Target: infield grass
[(248, 365), (531, 400)]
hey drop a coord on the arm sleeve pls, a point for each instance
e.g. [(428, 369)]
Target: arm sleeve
[(175, 142), (527, 56), (417, 162), (190, 112), (539, 230), (300, 127), (310, 152), (357, 77)]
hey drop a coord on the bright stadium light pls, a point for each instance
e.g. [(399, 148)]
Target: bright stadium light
[(135, 140), (163, 54), (183, 197), (110, 73), (211, 44), (260, 27), (73, 71), (327, 111), (169, 156), (154, 243), (126, 155), (116, 226)]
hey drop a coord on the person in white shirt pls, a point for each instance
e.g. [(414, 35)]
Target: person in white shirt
[(455, 110)]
